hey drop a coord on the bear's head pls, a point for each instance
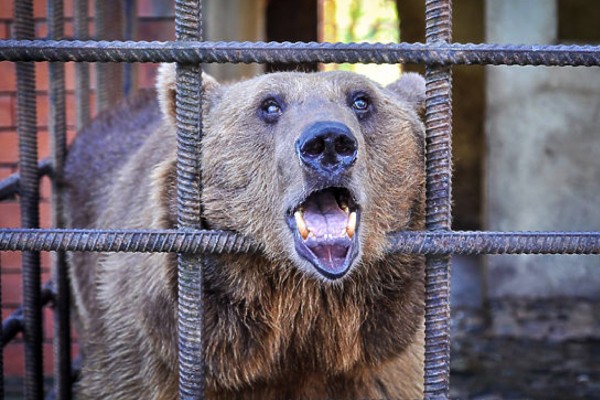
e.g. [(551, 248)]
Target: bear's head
[(318, 168)]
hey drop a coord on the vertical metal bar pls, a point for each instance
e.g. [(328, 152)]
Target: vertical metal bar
[(58, 145), (101, 72), (82, 70), (109, 76), (29, 191), (438, 114), (129, 32), (188, 26)]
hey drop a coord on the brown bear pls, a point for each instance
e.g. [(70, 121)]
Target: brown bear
[(317, 168)]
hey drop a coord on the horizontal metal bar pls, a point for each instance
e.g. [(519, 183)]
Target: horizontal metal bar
[(482, 242), (141, 241), (202, 241), (274, 52), (13, 324), (9, 187)]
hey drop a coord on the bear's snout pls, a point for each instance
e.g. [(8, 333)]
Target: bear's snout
[(327, 148)]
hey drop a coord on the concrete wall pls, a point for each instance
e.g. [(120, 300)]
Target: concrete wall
[(543, 156)]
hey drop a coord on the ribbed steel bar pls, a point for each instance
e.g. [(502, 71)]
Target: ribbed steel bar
[(274, 52), (9, 186), (29, 192), (218, 242), (129, 33), (108, 22), (58, 149), (438, 150), (101, 70), (82, 70), (14, 323), (188, 27)]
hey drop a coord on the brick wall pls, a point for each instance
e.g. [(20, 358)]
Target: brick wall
[(155, 22)]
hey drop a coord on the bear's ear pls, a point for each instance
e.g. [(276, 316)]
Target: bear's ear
[(410, 88), (165, 88)]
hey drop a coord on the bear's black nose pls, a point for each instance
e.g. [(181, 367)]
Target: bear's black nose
[(327, 147)]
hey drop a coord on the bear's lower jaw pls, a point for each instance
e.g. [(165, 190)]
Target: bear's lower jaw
[(325, 230)]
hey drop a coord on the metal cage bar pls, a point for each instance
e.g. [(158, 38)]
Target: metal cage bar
[(82, 70), (438, 215), (29, 192), (58, 148), (300, 52), (188, 26), (218, 242), (108, 22)]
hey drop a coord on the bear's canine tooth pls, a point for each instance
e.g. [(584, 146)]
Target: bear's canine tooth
[(351, 226), (301, 224)]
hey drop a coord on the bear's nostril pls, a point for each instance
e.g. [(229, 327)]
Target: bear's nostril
[(314, 147), (345, 146)]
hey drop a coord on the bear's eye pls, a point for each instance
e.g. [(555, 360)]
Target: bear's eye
[(361, 104), (270, 110)]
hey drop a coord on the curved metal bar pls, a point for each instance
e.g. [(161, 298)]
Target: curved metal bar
[(285, 52)]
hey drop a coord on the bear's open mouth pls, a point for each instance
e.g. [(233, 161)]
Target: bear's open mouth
[(325, 229)]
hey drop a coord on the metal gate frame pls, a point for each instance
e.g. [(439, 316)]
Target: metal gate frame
[(438, 242)]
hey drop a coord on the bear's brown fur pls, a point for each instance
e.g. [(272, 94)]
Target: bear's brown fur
[(275, 327)]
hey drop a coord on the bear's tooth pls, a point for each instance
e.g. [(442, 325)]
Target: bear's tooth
[(345, 208), (301, 225), (351, 226)]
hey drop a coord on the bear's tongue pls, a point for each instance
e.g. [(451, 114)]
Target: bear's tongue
[(327, 222)]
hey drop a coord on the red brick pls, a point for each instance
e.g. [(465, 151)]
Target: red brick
[(9, 147), (10, 215), (10, 260), (14, 363), (45, 216), (11, 288), (42, 75), (6, 9), (156, 30), (4, 31), (45, 188), (39, 9), (147, 75), (5, 172), (41, 29), (42, 109), (7, 110), (7, 76)]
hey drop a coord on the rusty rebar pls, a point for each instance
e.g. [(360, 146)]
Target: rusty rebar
[(438, 215), (58, 149), (220, 242), (188, 27), (274, 52), (82, 70), (108, 22), (29, 192)]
